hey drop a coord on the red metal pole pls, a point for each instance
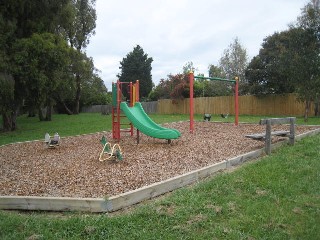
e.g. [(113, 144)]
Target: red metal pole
[(137, 91), (118, 109), (131, 104), (137, 100), (191, 80), (113, 112), (236, 102), (131, 94)]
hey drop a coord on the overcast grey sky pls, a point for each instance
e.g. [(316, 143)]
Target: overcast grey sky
[(174, 32)]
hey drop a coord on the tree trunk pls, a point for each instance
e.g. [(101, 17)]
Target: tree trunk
[(40, 113), (306, 110), (316, 107), (49, 113), (9, 121), (78, 94), (49, 110), (6, 122), (69, 112), (31, 112)]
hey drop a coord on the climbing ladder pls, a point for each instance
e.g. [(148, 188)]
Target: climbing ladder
[(117, 115)]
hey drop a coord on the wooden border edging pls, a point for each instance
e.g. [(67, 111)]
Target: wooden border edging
[(53, 203), (127, 199)]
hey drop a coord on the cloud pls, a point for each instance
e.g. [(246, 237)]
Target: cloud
[(176, 32)]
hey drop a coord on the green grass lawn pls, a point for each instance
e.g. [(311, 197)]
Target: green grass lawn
[(276, 197)]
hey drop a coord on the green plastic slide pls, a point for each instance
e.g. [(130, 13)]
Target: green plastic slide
[(145, 124)]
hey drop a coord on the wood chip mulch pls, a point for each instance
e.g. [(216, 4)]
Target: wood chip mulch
[(73, 169)]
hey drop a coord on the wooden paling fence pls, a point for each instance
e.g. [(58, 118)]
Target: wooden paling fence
[(286, 104), (149, 107)]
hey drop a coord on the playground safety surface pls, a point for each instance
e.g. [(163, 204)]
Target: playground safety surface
[(73, 169)]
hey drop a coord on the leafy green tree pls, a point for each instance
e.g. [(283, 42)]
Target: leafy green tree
[(137, 66), (234, 62), (94, 91), (309, 21), (256, 75), (289, 61), (161, 91), (267, 73), (40, 62), (19, 20), (74, 20), (211, 88), (216, 71), (217, 88), (189, 67), (80, 23)]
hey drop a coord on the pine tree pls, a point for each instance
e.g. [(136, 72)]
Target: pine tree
[(137, 66)]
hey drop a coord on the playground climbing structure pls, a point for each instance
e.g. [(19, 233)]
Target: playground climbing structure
[(118, 88), (131, 108)]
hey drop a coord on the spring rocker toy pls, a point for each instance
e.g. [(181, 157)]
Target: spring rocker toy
[(109, 152), (52, 142)]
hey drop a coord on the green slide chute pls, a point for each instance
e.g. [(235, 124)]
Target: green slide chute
[(145, 124)]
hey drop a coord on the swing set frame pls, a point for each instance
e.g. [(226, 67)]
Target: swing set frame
[(236, 96)]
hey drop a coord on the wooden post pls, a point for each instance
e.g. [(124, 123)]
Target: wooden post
[(268, 137), (292, 130)]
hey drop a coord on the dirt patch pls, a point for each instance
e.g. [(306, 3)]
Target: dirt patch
[(73, 168)]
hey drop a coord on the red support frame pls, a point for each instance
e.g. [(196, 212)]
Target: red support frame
[(116, 111), (236, 101), (191, 80)]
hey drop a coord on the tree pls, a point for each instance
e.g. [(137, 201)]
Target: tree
[(6, 80), (137, 66), (256, 76), (234, 62), (306, 43), (94, 91), (267, 73), (19, 20), (310, 22), (80, 23), (217, 88), (174, 87), (189, 67), (7, 99), (74, 20), (289, 61), (161, 91), (216, 71), (40, 62)]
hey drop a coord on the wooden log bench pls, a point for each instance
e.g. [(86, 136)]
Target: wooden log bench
[(267, 136)]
